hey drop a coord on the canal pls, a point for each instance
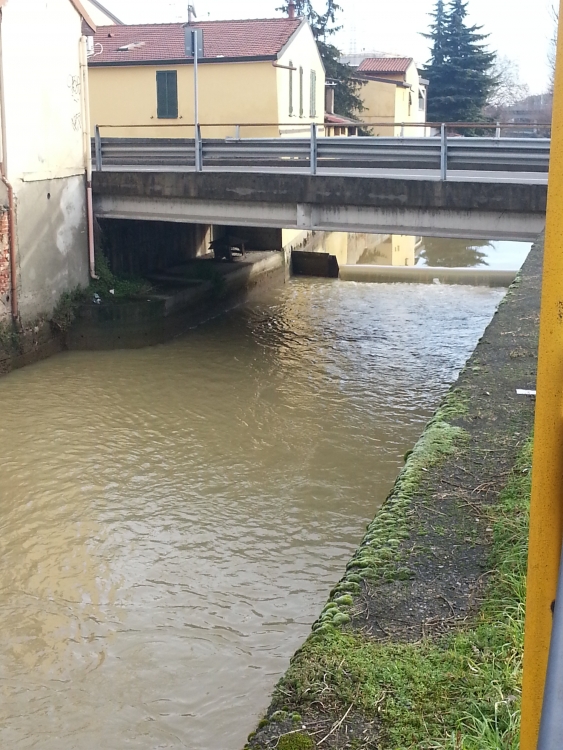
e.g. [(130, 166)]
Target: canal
[(173, 518)]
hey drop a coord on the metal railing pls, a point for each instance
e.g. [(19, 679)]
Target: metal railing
[(441, 153)]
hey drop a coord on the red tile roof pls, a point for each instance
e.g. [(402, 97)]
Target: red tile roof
[(332, 119), (160, 42), (385, 65)]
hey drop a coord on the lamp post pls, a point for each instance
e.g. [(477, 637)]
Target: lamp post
[(197, 132)]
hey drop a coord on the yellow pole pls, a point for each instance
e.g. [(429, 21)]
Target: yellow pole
[(546, 513)]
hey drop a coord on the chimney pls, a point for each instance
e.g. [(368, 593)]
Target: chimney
[(329, 99), (291, 9)]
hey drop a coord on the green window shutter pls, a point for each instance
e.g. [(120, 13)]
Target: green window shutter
[(167, 94), (313, 93)]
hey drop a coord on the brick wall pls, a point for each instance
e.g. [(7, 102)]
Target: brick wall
[(4, 265)]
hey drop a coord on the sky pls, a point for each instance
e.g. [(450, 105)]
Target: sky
[(519, 30)]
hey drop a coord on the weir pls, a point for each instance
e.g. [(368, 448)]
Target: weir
[(423, 275)]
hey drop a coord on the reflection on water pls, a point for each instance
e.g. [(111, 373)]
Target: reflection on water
[(406, 250), (173, 518), (451, 253)]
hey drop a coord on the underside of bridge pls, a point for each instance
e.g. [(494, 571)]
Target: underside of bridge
[(140, 248)]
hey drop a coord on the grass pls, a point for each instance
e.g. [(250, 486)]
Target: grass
[(460, 692), (379, 555), (109, 286), (64, 313)]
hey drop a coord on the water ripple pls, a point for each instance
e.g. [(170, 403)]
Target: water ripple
[(173, 518)]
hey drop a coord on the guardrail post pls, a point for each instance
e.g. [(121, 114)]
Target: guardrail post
[(497, 131), (198, 149), (98, 148), (402, 130), (237, 132), (313, 158), (443, 153)]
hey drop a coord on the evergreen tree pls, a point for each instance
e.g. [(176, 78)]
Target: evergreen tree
[(347, 99), (460, 68)]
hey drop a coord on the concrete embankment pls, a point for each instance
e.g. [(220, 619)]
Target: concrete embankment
[(178, 302), (27, 344), (183, 297), (420, 643)]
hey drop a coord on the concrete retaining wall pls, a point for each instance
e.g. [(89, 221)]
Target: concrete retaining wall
[(52, 242)]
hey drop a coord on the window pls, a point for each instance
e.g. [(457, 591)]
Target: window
[(167, 94), (421, 100), (290, 88), (313, 111), (300, 92)]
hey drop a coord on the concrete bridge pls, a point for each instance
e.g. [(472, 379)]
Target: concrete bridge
[(473, 207)]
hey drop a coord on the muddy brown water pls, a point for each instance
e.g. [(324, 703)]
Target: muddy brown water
[(172, 519)]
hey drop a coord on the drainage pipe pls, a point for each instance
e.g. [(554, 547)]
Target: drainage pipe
[(425, 275), (11, 201), (87, 142)]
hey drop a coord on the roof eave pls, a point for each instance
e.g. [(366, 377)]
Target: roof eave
[(179, 61), (82, 12), (289, 42)]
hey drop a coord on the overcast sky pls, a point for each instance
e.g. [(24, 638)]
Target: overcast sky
[(519, 29)]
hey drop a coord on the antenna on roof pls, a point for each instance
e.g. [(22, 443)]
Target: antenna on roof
[(191, 14)]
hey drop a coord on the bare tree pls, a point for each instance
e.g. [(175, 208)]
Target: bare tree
[(508, 88), (552, 52)]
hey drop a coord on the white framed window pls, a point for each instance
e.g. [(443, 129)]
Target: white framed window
[(290, 88)]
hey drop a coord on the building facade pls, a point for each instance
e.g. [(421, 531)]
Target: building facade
[(44, 128), (260, 78), (394, 92)]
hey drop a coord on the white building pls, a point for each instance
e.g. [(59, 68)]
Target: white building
[(44, 219)]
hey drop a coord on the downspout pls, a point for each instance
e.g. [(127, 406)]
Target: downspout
[(87, 153), (11, 202)]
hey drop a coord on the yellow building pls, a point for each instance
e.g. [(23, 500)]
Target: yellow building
[(259, 78), (394, 92)]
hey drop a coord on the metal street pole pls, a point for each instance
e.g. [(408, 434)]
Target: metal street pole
[(198, 164), (546, 511)]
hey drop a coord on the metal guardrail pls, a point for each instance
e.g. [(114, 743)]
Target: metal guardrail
[(365, 152)]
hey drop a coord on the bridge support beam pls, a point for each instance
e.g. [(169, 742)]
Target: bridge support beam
[(478, 224)]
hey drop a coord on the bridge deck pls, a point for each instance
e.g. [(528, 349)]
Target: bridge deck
[(402, 202)]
